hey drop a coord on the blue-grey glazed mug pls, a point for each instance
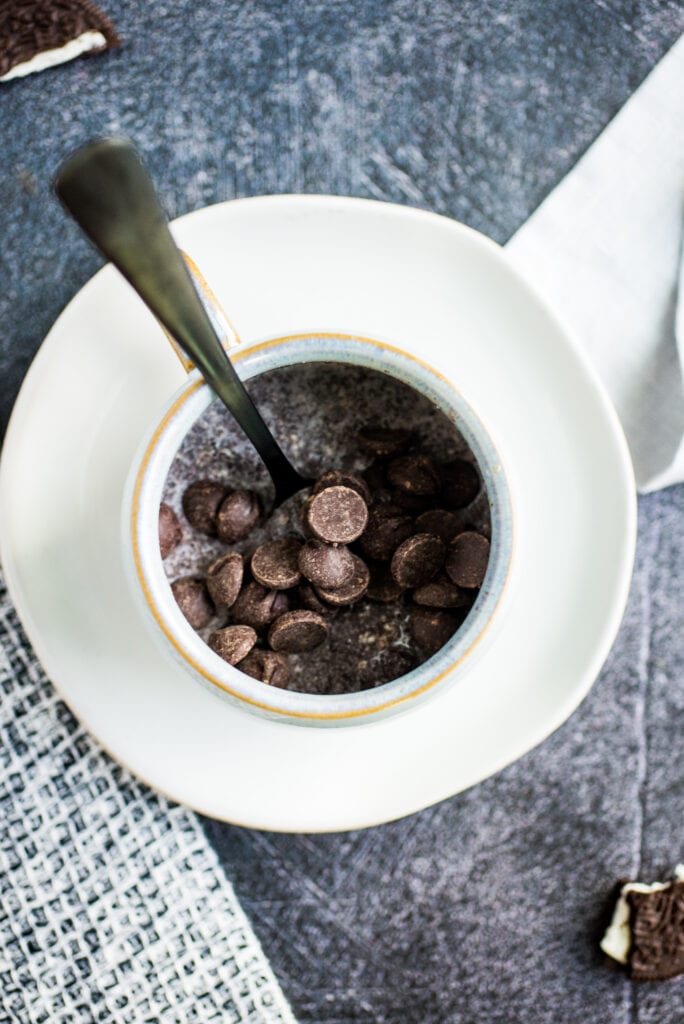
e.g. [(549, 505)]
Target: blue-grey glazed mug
[(151, 586)]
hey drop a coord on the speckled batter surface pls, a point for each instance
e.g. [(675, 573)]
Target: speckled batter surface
[(315, 411)]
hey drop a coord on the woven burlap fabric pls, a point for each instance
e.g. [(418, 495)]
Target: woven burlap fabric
[(112, 904)]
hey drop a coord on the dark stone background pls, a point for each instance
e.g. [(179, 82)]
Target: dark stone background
[(486, 908)]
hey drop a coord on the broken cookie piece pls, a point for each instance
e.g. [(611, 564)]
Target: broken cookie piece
[(646, 932), (39, 34)]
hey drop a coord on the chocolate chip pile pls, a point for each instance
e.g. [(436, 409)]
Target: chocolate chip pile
[(392, 537)]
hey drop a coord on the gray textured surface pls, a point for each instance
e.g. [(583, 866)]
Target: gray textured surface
[(474, 109), (488, 908), (484, 909)]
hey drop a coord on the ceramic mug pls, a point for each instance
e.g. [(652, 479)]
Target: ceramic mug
[(151, 586)]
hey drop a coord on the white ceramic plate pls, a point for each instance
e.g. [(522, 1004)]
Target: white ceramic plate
[(281, 265)]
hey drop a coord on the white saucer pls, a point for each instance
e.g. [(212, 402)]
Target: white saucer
[(281, 265)]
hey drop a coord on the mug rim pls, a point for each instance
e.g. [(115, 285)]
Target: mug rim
[(133, 520)]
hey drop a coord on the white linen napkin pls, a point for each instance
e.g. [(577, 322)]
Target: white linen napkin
[(605, 249)]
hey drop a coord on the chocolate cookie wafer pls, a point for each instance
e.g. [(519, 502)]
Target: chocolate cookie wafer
[(39, 34), (646, 933)]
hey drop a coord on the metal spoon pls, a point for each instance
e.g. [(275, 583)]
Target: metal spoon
[(108, 192)]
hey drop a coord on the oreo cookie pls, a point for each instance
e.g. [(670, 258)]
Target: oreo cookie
[(646, 932), (37, 35)]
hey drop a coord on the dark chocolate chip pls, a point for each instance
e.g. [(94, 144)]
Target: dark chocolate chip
[(233, 643), (441, 522), (307, 596), (467, 558), (387, 528), (193, 600), (304, 514), (170, 532), (352, 590), (266, 666), (274, 564), (384, 442), (382, 667), (442, 593), (411, 503), (414, 474), (375, 478), (418, 559), (385, 509), (432, 627), (258, 606), (224, 579), (383, 588), (237, 516), (657, 926), (338, 478), (324, 565), (201, 501), (301, 630), (460, 483), (337, 515)]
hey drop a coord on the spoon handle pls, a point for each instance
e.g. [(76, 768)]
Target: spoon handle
[(107, 190)]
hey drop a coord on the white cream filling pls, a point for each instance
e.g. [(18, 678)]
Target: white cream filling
[(49, 58), (618, 938)]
